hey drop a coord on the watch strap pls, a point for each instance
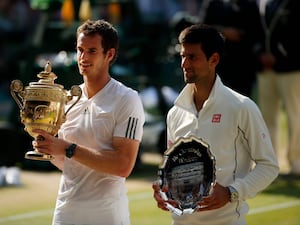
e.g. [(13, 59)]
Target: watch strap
[(70, 151)]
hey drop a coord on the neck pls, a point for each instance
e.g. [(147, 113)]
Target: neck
[(93, 86), (199, 98), (201, 93)]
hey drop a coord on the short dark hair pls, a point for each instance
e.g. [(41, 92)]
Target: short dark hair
[(210, 39), (103, 28)]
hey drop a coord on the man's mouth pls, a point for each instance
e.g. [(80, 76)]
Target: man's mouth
[(84, 65)]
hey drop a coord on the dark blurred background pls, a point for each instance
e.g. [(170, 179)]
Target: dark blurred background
[(33, 32)]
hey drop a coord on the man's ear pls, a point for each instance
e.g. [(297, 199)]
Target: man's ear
[(110, 54), (214, 59)]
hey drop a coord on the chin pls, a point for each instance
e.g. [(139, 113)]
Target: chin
[(83, 71), (189, 81)]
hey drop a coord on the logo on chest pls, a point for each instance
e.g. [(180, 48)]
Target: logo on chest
[(216, 118), (86, 110)]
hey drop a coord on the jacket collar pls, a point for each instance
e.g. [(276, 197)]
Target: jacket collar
[(185, 98)]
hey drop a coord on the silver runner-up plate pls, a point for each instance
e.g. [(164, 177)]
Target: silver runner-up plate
[(188, 173)]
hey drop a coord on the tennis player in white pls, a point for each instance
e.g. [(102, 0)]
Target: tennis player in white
[(229, 122), (98, 144)]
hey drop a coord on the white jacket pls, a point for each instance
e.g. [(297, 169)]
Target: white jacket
[(233, 127)]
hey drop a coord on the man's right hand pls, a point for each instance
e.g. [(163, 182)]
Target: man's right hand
[(158, 196)]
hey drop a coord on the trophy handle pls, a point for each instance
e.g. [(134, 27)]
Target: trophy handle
[(16, 86), (74, 91)]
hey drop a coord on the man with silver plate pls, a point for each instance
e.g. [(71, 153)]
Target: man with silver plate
[(229, 123)]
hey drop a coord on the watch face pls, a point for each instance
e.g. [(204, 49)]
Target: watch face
[(70, 150), (234, 196)]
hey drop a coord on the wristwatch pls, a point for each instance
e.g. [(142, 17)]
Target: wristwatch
[(234, 195), (70, 151)]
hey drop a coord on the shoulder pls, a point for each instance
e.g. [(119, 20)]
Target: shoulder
[(235, 98), (120, 92), (237, 105), (120, 88), (124, 97)]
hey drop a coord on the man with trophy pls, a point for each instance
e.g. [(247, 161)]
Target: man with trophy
[(97, 145), (209, 119)]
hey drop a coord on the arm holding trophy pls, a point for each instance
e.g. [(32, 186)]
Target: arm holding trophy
[(97, 145)]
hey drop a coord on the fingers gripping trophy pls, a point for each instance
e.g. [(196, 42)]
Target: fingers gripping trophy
[(42, 106)]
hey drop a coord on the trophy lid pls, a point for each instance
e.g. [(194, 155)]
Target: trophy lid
[(47, 77)]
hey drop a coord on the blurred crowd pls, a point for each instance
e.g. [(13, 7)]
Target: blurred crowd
[(260, 61)]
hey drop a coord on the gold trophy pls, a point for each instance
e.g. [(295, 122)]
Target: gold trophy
[(42, 106)]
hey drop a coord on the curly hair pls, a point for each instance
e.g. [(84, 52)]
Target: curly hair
[(103, 28)]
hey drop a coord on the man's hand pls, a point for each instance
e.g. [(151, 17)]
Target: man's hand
[(219, 197), (158, 196), (49, 144)]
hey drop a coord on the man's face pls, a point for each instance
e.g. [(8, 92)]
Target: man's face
[(194, 63), (91, 58)]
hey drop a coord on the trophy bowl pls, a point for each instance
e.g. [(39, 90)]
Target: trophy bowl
[(188, 173), (42, 106)]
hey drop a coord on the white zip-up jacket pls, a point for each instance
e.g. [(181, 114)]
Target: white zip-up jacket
[(233, 127)]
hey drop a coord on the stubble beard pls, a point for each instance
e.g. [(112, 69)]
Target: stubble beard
[(189, 79)]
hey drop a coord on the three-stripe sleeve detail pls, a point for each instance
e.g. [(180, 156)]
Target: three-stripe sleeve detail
[(131, 127)]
